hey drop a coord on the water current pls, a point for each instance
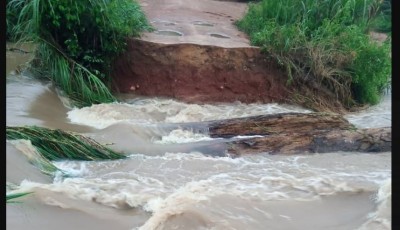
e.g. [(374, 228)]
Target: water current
[(173, 179)]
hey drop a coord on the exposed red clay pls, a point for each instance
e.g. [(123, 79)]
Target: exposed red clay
[(196, 54), (198, 73)]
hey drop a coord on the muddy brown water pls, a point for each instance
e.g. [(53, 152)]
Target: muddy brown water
[(175, 179)]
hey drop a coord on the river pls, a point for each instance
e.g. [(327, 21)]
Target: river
[(172, 179)]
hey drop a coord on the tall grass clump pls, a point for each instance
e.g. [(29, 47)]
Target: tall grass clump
[(12, 13), (77, 41), (325, 44)]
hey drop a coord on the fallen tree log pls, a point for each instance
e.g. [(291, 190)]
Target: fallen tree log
[(278, 123), (364, 140), (293, 133)]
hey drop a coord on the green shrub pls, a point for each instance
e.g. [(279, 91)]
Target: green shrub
[(78, 41), (372, 71), (323, 43), (383, 21)]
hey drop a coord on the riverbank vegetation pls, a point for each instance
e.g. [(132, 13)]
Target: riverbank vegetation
[(324, 44), (55, 144), (383, 21), (12, 13), (77, 41)]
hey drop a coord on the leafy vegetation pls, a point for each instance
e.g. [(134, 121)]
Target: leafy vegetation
[(323, 43), (10, 198), (11, 20), (62, 145), (383, 21), (78, 41)]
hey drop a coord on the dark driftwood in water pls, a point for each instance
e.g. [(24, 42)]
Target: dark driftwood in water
[(363, 140), (292, 133), (278, 123)]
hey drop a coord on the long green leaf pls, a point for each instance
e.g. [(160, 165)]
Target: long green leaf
[(60, 145)]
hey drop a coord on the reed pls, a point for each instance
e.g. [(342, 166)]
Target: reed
[(55, 144)]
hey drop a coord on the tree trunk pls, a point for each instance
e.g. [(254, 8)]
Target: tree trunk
[(292, 133)]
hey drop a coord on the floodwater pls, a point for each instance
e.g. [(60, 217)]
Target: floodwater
[(175, 179)]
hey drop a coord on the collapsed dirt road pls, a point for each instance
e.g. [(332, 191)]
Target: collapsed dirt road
[(196, 54), (206, 22)]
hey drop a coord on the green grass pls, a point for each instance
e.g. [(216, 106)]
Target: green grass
[(82, 87), (55, 144), (10, 198), (11, 20), (323, 43), (78, 41), (383, 21)]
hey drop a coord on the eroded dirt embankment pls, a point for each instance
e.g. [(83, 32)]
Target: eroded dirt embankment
[(199, 73)]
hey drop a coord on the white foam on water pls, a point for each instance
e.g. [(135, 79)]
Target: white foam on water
[(103, 115), (176, 203), (73, 169), (261, 179), (175, 183), (376, 116), (152, 177), (182, 136), (381, 218), (150, 111)]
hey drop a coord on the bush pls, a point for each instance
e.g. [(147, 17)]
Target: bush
[(383, 21), (323, 43), (78, 41), (372, 71)]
